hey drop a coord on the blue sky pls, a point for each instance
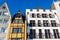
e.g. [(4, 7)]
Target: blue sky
[(22, 5)]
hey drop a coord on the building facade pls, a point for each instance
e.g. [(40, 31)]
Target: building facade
[(5, 20), (43, 24), (17, 30), (56, 5)]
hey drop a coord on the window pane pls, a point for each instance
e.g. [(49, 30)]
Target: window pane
[(40, 33), (15, 21), (19, 30), (1, 38), (0, 13), (3, 30), (33, 15), (53, 23), (44, 15), (0, 20), (4, 7), (14, 39), (51, 16), (56, 33), (5, 13), (39, 23), (20, 21), (45, 23), (19, 39), (14, 30), (6, 20), (33, 33), (38, 15), (32, 23), (47, 33), (55, 36)]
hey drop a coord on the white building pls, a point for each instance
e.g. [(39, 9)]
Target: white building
[(56, 5), (43, 24), (5, 20)]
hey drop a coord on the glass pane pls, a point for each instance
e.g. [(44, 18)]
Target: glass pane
[(38, 15), (15, 21), (40, 33), (19, 39), (5, 13), (19, 21), (33, 15), (20, 30), (44, 15), (14, 30), (4, 7), (14, 39), (32, 23), (3, 29), (39, 23), (5, 20), (0, 13), (53, 23), (1, 38), (33, 33), (45, 23), (0, 20)]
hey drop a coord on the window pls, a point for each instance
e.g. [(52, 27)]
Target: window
[(47, 33), (1, 38), (27, 12), (3, 30), (4, 7), (53, 23), (44, 15), (38, 15), (40, 33), (45, 23), (39, 23), (32, 34), (33, 15), (59, 4), (16, 30), (56, 33), (15, 21), (16, 39), (5, 13), (18, 21), (32, 23), (0, 13), (6, 20), (20, 30), (0, 20), (51, 16)]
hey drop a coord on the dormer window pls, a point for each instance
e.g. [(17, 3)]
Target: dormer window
[(18, 21), (4, 7)]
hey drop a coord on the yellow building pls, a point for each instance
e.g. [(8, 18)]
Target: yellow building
[(17, 30)]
